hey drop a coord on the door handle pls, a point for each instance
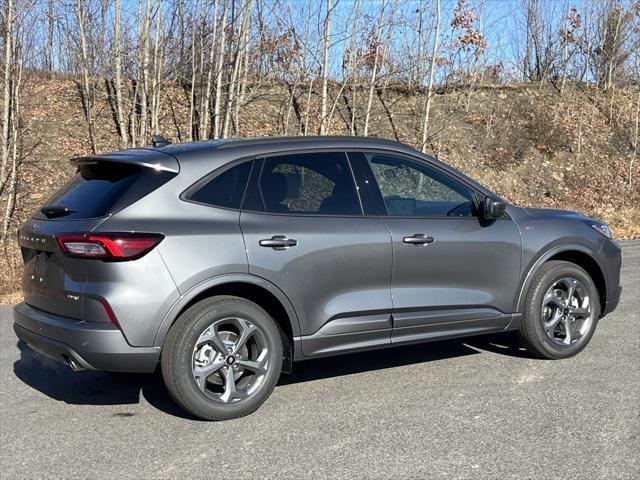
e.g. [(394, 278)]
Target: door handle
[(418, 239), (278, 242)]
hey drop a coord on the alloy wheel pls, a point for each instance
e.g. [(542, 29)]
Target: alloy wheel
[(230, 360), (566, 311)]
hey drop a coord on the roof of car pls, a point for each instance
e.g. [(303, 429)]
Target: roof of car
[(306, 141)]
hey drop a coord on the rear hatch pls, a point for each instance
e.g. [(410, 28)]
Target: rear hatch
[(53, 281)]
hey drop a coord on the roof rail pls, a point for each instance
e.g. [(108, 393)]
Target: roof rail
[(232, 142)]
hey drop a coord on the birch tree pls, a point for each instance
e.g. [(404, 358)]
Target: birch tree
[(375, 53), (217, 102), (6, 111), (432, 67), (325, 69), (144, 91), (117, 47)]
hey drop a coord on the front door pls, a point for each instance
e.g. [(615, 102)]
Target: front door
[(305, 231), (453, 273)]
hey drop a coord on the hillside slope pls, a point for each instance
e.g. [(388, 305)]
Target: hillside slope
[(532, 146)]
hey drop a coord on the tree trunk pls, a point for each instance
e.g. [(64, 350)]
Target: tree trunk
[(80, 13), (427, 106), (192, 89), (325, 70), (13, 176), (374, 73), (144, 91), (233, 88), (156, 86), (206, 102), (217, 101), (6, 112), (635, 140), (118, 67), (50, 23)]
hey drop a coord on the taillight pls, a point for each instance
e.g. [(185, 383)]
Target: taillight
[(108, 246)]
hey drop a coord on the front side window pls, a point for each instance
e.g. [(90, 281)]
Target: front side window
[(309, 183), (226, 189), (412, 189)]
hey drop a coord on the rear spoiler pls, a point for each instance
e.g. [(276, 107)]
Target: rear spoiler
[(143, 157)]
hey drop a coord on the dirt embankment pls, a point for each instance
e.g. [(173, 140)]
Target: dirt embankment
[(530, 145)]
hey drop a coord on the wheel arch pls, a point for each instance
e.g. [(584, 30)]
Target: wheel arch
[(250, 287), (578, 254)]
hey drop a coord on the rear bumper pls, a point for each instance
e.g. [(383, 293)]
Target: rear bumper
[(91, 345)]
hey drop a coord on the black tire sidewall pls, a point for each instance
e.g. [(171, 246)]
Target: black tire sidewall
[(179, 356), (533, 329)]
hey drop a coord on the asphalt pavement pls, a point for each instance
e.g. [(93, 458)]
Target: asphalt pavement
[(479, 407)]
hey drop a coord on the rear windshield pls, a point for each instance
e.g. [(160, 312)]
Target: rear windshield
[(101, 188)]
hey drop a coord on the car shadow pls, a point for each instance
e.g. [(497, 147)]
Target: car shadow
[(87, 387), (501, 343)]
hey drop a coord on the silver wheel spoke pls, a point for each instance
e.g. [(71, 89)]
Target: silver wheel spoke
[(553, 298), (247, 329), (567, 328), (258, 367), (202, 373), (214, 339), (231, 391), (229, 385), (581, 312), (571, 291), (551, 324)]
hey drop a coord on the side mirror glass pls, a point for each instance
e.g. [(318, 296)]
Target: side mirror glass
[(493, 208)]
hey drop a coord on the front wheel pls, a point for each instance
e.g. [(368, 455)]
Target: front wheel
[(222, 358), (561, 311)]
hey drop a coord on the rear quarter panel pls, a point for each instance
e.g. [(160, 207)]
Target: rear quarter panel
[(200, 243)]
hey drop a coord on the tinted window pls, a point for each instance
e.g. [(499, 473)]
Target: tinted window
[(225, 189), (98, 189), (413, 189), (318, 183)]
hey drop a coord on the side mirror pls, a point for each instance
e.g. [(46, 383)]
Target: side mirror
[(493, 208)]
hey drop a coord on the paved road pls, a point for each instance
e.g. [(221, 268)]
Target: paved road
[(469, 408)]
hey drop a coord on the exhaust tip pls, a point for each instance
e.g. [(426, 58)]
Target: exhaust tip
[(73, 365)]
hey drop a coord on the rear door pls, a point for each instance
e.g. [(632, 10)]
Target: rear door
[(306, 232), (52, 281), (453, 273)]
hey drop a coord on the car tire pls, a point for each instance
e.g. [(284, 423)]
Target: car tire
[(212, 384), (549, 311)]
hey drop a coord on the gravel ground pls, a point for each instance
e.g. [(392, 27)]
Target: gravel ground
[(470, 408)]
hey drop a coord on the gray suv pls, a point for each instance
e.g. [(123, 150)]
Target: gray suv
[(224, 262)]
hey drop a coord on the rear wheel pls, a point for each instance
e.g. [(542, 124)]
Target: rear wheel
[(561, 311), (222, 358)]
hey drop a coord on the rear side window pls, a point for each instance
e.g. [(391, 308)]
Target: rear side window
[(226, 189), (309, 183), (100, 188)]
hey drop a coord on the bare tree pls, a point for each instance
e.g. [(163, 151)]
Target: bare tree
[(6, 111), (84, 66), (144, 91), (432, 66), (50, 24), (374, 55), (206, 98), (117, 47), (617, 38), (325, 69), (217, 101)]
